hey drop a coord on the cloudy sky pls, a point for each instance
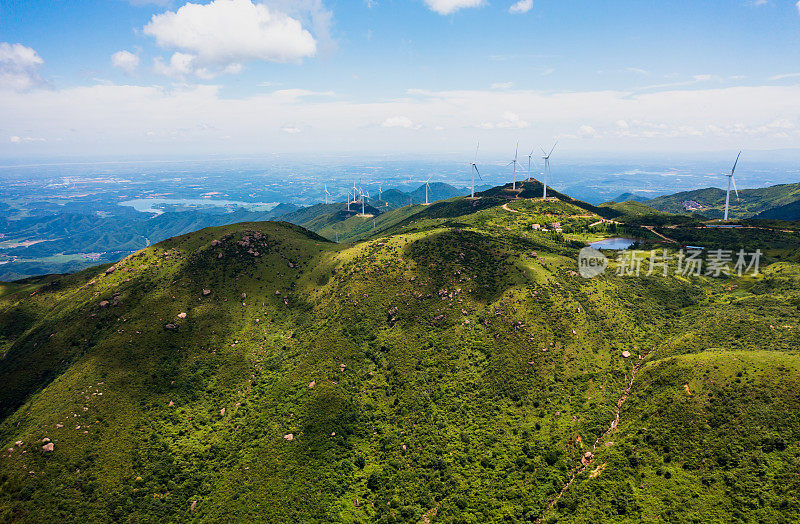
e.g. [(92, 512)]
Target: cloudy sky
[(163, 77)]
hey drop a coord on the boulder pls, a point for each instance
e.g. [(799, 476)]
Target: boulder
[(111, 270), (289, 437), (626, 354), (312, 384), (103, 303), (48, 448), (181, 315), (170, 327), (206, 292)]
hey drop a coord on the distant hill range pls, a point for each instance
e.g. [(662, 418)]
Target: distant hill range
[(629, 197), (775, 202)]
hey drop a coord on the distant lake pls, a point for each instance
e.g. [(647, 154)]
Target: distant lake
[(146, 205), (618, 243)]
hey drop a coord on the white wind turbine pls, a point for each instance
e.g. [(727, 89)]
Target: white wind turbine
[(427, 187), (514, 163), (475, 171), (530, 157), (731, 181), (547, 168)]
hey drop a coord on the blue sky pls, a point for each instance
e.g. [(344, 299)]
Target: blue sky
[(242, 76)]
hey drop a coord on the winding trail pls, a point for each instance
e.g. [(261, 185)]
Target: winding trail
[(602, 438)]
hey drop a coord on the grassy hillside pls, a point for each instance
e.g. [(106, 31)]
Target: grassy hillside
[(452, 368), (712, 201)]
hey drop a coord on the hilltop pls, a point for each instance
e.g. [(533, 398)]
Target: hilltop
[(451, 367)]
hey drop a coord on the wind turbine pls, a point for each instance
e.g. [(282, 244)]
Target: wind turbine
[(731, 181), (530, 156), (514, 162), (475, 171), (547, 168), (427, 186)]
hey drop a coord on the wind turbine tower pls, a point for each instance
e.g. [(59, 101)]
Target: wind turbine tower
[(327, 194), (530, 157), (731, 181), (475, 171), (427, 187), (515, 163), (547, 168)]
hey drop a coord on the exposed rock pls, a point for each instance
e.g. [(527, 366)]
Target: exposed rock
[(193, 506), (289, 437), (45, 440), (170, 327), (222, 412), (48, 448), (171, 403), (103, 303), (206, 292), (181, 315), (626, 354), (18, 443), (312, 383), (111, 270)]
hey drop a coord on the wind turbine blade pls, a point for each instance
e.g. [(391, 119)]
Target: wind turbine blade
[(735, 163), (554, 148), (478, 172), (476, 151), (543, 151), (734, 187), (516, 151), (429, 179)]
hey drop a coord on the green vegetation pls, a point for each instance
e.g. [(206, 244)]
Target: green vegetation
[(448, 366)]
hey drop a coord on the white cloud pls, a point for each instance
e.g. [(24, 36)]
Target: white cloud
[(125, 60), (446, 7), (19, 67), (25, 139), (218, 37), (785, 76), (798, 6), (587, 132), (400, 121), (523, 6), (510, 120), (502, 85), (291, 129), (180, 65), (117, 118)]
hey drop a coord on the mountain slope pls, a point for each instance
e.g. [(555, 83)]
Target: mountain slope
[(456, 367)]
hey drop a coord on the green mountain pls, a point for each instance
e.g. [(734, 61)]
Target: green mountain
[(630, 197), (789, 212), (710, 202), (453, 367)]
